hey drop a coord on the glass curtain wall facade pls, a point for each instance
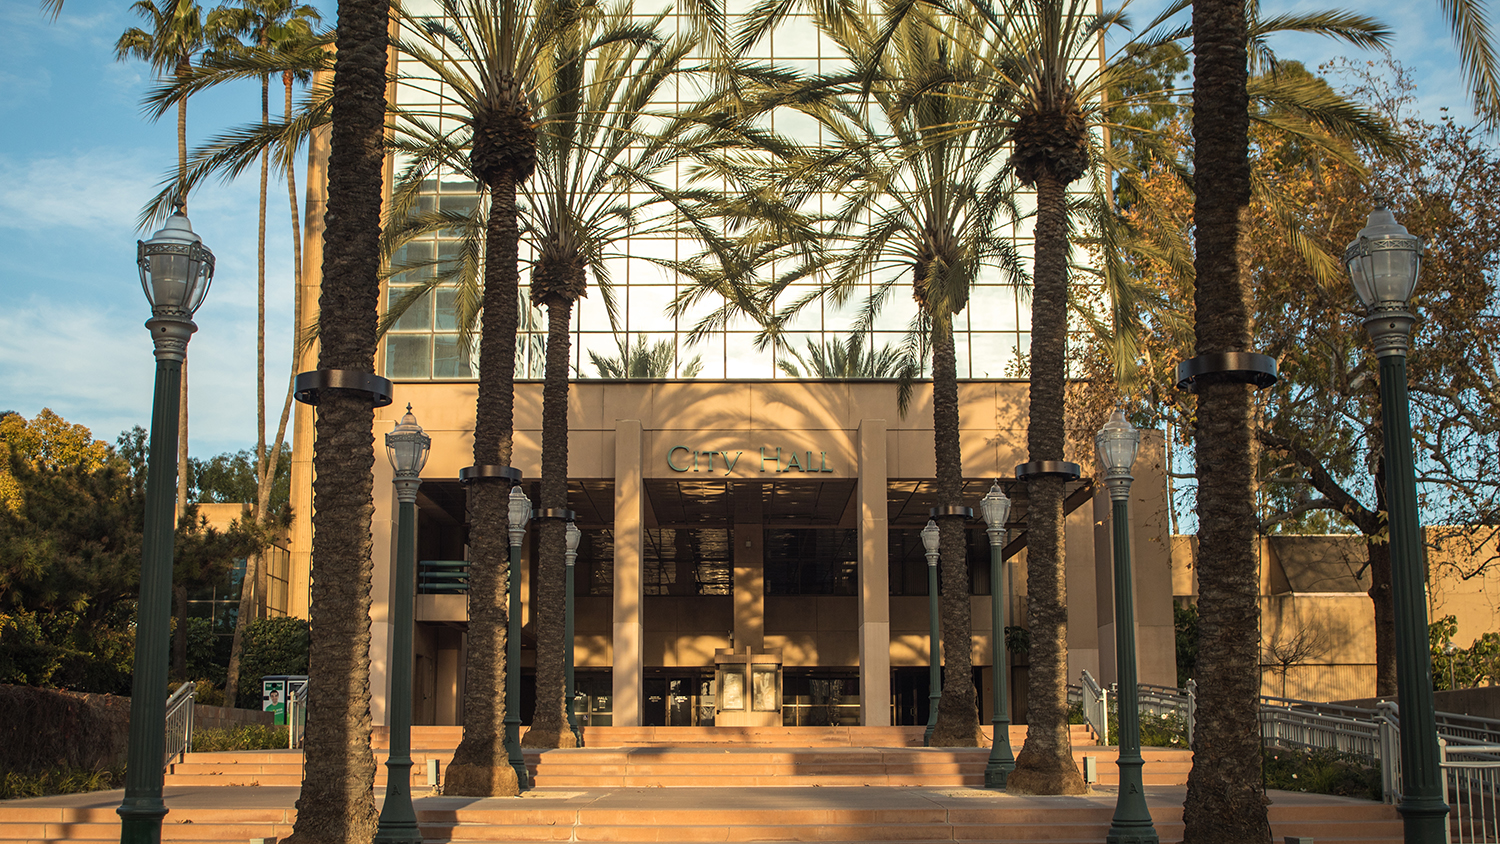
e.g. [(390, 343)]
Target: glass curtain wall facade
[(991, 334)]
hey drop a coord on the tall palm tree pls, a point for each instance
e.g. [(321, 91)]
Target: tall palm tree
[(490, 57), (606, 149), (273, 27), (177, 34), (915, 160), (643, 359), (847, 359), (337, 802), (607, 156)]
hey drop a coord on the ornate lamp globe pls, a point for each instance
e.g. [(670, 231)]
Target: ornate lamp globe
[(1383, 262), (176, 268), (407, 447), (930, 541), (519, 514), (572, 536), (1117, 443), (995, 507)]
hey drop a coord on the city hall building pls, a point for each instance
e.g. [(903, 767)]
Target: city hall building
[(770, 522), (734, 511)]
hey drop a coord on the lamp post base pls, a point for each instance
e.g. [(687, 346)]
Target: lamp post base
[(1002, 760), (141, 824), (932, 712)]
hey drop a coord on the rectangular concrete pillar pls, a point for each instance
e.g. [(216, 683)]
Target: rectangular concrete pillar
[(629, 644), (749, 569), (383, 554), (874, 577), (1150, 566)]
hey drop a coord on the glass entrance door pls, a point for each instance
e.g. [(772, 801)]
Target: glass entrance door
[(678, 699)]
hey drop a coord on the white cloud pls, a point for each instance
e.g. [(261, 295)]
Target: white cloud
[(97, 189)]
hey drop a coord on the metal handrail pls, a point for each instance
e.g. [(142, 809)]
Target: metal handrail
[(442, 577), (1471, 783), (296, 716), (179, 723), (1095, 706)]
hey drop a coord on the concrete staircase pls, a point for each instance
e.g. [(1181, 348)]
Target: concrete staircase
[(655, 757), (704, 815), (695, 786)]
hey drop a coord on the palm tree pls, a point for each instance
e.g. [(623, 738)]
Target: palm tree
[(277, 28), (914, 159), (605, 156), (337, 800), (177, 34), (642, 360), (490, 58), (848, 359)]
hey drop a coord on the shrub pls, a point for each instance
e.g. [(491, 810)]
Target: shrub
[(246, 737), (1320, 772), (272, 646), (59, 781)]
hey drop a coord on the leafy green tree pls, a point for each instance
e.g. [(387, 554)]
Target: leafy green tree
[(230, 478), (272, 646), (70, 546)]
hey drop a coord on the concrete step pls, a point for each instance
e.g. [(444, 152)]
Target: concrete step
[(700, 765), (700, 815)]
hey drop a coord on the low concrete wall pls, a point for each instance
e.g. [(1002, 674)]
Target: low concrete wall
[(1481, 702), (219, 717), (46, 728)]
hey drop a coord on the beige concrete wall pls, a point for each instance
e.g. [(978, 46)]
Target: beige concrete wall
[(1319, 643), (628, 432)]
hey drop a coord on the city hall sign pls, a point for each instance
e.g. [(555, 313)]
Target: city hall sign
[(680, 458)]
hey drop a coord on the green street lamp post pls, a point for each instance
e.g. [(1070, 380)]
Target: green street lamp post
[(570, 556), (1383, 264), (519, 514), (934, 659), (176, 271), (1117, 443), (996, 509), (407, 448)]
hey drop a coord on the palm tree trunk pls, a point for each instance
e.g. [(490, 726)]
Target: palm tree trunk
[(480, 765), (183, 66), (337, 802), (549, 724), (1226, 799), (1045, 764), (958, 709)]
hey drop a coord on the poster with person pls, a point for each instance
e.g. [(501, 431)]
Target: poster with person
[(273, 699)]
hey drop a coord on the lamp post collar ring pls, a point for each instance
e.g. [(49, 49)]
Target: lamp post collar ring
[(406, 487), (171, 329), (1390, 330)]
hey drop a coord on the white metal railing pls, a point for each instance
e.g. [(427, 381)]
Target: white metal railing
[(1095, 701), (179, 723), (1468, 728), (296, 716), (1471, 783)]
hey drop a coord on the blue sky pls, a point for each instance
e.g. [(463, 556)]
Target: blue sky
[(79, 159)]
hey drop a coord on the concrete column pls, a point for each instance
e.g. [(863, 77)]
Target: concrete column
[(749, 569), (629, 644), (874, 578), (1151, 568), (309, 286), (1083, 591), (383, 554)]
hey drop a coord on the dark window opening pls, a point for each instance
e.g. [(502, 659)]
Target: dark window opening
[(812, 561)]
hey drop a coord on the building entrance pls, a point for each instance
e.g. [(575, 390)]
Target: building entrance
[(678, 699)]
